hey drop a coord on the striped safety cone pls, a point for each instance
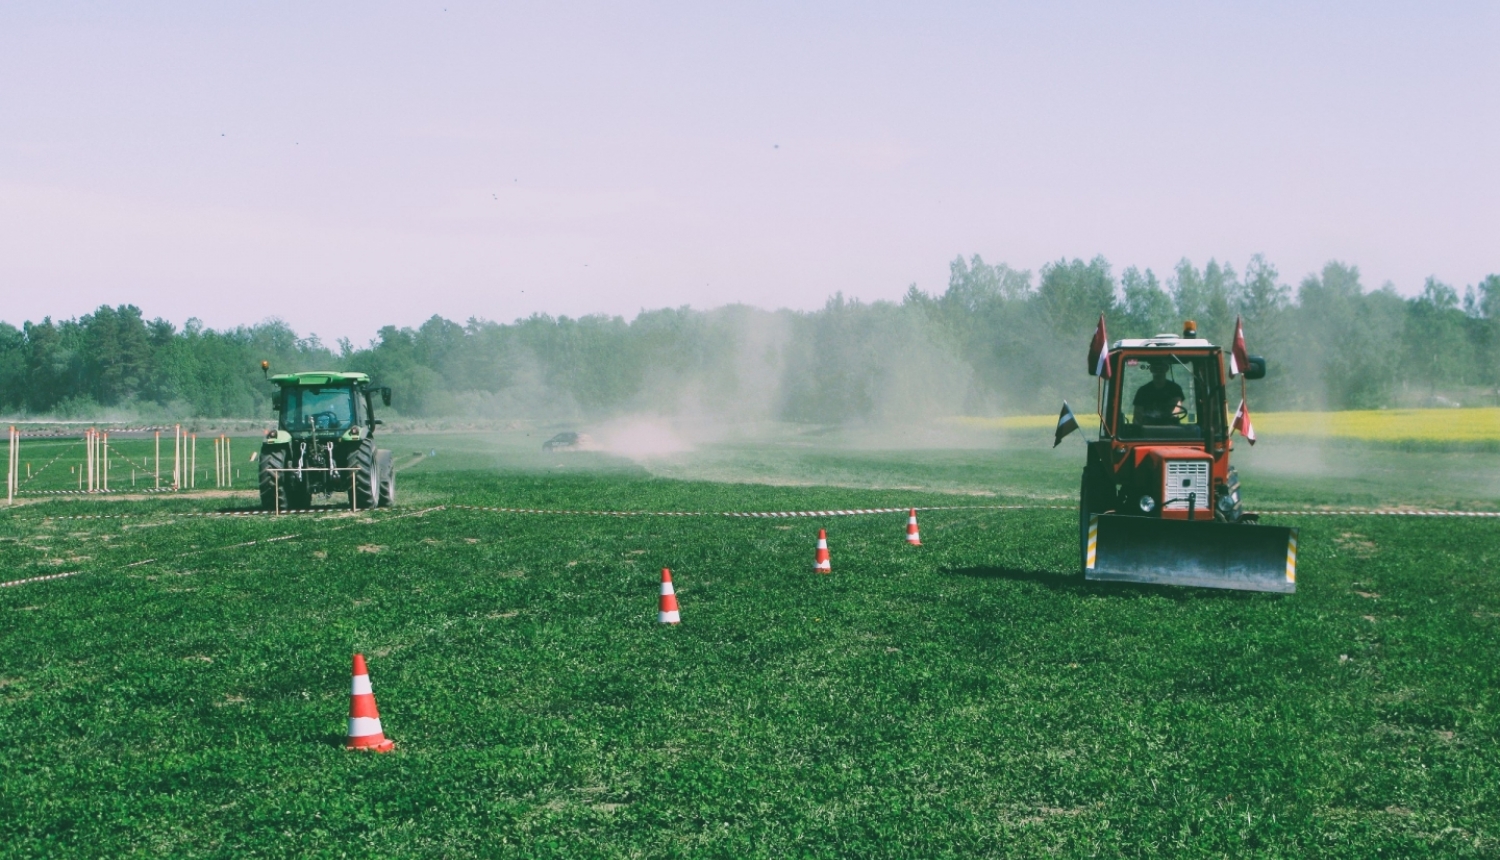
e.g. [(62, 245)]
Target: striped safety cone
[(669, 613), (913, 536), (820, 561), (364, 719)]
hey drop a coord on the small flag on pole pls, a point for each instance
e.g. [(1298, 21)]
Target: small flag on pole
[(1099, 351), (1241, 423), (1239, 358), (1066, 424)]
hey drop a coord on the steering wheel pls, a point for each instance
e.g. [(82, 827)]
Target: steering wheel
[(325, 420), (1179, 412)]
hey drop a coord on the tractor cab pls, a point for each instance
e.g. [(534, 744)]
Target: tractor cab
[(326, 404), (1163, 449), (319, 407), (1165, 394)]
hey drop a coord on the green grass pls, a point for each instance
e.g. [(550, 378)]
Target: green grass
[(971, 697)]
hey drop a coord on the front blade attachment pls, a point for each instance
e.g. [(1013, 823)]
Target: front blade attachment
[(1177, 552)]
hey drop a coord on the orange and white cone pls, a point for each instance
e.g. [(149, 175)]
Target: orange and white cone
[(913, 536), (669, 613), (364, 719), (820, 561)]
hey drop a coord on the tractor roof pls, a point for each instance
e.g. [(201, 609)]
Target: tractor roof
[(320, 377), (1164, 342)]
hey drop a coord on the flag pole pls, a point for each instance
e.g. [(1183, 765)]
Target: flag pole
[(1099, 404)]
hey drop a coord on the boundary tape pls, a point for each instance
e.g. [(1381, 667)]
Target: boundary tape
[(841, 512), (1357, 512), (243, 513), (32, 579), (847, 512), (94, 492)]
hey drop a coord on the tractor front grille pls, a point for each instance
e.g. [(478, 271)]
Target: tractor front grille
[(1185, 477)]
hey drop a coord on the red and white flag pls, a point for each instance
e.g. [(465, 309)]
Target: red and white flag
[(1099, 351), (1242, 423), (1239, 359)]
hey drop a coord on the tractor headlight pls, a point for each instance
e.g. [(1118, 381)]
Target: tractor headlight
[(1148, 504), (1226, 502)]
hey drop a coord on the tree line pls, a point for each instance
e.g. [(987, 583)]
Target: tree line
[(998, 340)]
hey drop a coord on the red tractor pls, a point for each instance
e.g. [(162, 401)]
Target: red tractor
[(1160, 502)]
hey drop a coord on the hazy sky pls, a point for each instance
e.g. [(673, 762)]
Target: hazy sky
[(348, 165)]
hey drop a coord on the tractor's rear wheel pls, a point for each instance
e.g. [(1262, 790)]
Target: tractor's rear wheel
[(270, 459), (387, 469), (366, 481)]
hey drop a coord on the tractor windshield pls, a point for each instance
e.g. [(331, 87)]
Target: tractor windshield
[(1163, 397), (318, 407)]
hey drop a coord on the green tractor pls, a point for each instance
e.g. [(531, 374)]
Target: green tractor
[(324, 443)]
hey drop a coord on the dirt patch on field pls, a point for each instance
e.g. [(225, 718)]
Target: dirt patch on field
[(1355, 544)]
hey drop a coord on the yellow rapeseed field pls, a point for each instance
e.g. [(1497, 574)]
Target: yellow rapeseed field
[(1380, 425)]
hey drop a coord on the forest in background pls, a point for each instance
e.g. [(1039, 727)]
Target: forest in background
[(997, 341)]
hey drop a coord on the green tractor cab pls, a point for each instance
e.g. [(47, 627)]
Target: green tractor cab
[(324, 443)]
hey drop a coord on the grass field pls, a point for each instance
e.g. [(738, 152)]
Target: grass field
[(185, 693)]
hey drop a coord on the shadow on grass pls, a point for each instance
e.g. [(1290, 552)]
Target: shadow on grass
[(1075, 583)]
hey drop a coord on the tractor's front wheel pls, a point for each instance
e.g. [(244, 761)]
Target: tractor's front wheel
[(362, 462), (1093, 498), (387, 469)]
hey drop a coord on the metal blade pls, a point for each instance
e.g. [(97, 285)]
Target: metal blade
[(1177, 552)]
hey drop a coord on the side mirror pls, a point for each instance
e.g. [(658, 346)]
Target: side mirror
[(1257, 368), (276, 401), (385, 393)]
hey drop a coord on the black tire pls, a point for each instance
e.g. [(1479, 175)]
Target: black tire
[(387, 478), (273, 458), (1093, 498), (362, 462)]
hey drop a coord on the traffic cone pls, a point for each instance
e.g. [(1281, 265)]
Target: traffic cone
[(364, 719), (669, 614), (820, 561), (913, 537)]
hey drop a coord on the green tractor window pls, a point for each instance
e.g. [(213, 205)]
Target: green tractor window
[(318, 407)]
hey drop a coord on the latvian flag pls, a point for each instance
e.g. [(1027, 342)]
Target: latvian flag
[(1099, 352), (1239, 359), (1241, 423), (1066, 424)]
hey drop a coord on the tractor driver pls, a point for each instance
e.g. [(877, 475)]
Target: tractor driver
[(1160, 400)]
